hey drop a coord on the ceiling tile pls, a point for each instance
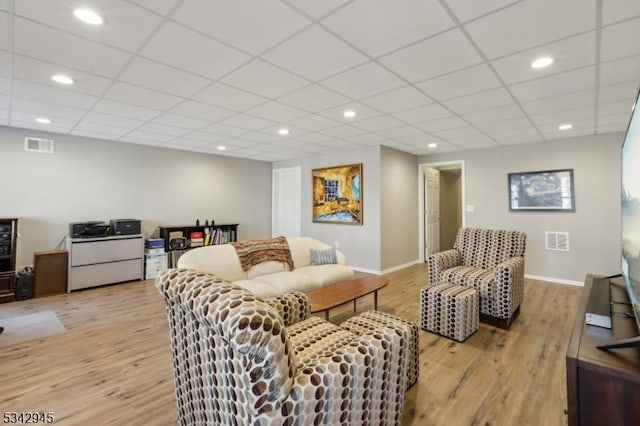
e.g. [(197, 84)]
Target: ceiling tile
[(41, 72), (4, 23), (155, 76), (439, 55), (181, 121), (621, 70), (451, 122), (5, 63), (619, 92), (516, 136), (259, 137), (54, 110), (5, 6), (4, 102), (466, 10), (37, 41), (317, 8), (277, 112), (98, 130), (465, 132), (362, 111), (222, 130), (204, 56), (269, 21), (159, 6), (315, 54), (494, 114), (364, 80), (312, 137), (124, 110), (559, 103), (185, 141), (314, 98), (580, 128), (126, 26), (479, 101), (423, 113), (618, 107), (342, 131), (202, 111), (367, 138), (619, 127), (272, 81), (531, 23), (566, 116), (568, 54), (378, 123), (460, 83), (504, 125), (29, 118), (228, 97), (102, 119), (141, 136), (557, 84), (374, 28), (140, 96), (248, 122), (59, 127), (618, 10), (207, 138), (52, 95), (5, 85), (160, 129), (398, 99), (621, 120), (615, 38), (399, 132), (313, 122)]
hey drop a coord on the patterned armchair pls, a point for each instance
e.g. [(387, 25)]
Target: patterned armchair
[(242, 360), (492, 262)]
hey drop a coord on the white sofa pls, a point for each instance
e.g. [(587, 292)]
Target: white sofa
[(270, 278)]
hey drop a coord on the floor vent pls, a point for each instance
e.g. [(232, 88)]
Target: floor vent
[(556, 241), (38, 145)]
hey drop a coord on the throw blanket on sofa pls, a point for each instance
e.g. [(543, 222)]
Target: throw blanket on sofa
[(253, 252)]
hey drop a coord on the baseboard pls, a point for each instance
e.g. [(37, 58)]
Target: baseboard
[(386, 271), (555, 280)]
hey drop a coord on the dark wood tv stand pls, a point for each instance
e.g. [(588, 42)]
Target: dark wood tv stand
[(603, 386)]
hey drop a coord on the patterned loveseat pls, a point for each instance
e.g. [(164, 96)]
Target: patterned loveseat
[(242, 360), (492, 262)]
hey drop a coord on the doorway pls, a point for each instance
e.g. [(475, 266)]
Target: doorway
[(441, 205)]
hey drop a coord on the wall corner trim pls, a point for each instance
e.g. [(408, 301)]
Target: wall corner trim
[(555, 280)]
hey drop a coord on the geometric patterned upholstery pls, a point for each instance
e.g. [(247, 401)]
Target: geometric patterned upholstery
[(449, 310), (238, 359), (370, 320), (489, 260)]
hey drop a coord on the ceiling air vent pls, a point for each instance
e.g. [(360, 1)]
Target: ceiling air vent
[(556, 241), (38, 145)]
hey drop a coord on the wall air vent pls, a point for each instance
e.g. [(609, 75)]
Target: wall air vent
[(556, 241), (38, 145)]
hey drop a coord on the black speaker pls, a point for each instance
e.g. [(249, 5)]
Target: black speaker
[(24, 287)]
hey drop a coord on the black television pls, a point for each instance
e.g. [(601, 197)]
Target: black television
[(631, 220)]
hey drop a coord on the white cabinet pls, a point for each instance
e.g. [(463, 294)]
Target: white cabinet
[(106, 260)]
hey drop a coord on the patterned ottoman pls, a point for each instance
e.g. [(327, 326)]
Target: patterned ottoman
[(449, 310), (370, 320)]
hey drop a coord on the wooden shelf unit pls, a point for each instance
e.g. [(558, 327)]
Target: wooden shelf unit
[(603, 386), (220, 234), (8, 250)]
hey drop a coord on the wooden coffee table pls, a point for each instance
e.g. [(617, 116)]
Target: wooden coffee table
[(333, 295)]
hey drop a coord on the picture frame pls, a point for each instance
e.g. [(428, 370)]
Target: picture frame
[(547, 190), (337, 194)]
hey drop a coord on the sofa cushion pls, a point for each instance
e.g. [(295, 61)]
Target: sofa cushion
[(260, 289), (482, 280), (315, 338), (323, 256), (265, 268), (327, 274), (220, 260), (289, 281)]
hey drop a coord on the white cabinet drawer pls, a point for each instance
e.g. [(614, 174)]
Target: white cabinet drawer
[(104, 273), (92, 252)]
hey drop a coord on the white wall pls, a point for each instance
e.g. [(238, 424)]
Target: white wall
[(399, 208), (89, 179), (361, 244), (594, 227)]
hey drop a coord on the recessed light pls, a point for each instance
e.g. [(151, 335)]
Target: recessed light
[(62, 79), (283, 131), (221, 147), (542, 62), (88, 16), (43, 120), (349, 114), (565, 126), (433, 145)]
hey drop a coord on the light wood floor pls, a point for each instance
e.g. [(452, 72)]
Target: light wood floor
[(112, 366)]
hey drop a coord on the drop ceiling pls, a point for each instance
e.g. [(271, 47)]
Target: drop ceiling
[(198, 74)]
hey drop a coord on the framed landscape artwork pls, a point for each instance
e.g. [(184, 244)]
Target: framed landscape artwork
[(337, 194), (549, 190)]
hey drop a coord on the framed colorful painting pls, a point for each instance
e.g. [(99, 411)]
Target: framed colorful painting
[(337, 194)]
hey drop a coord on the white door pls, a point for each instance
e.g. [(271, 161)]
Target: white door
[(286, 203), (432, 211)]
